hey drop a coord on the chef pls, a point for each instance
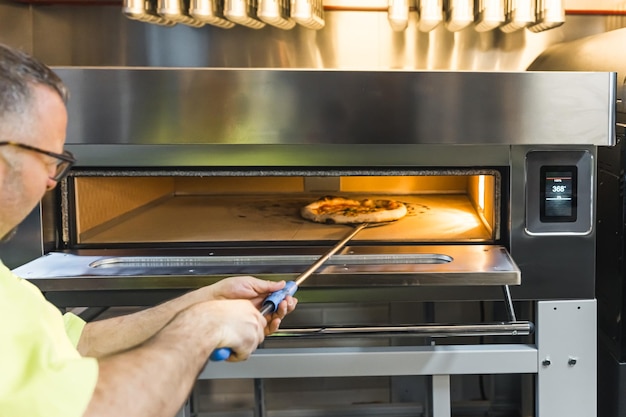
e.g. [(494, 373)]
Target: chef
[(142, 364)]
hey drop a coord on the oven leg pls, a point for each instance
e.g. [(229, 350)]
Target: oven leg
[(259, 398), (567, 354), (441, 396)]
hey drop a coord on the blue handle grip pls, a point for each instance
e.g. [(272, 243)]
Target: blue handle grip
[(220, 354), (270, 304)]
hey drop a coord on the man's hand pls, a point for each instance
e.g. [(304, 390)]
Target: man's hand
[(236, 324), (255, 290)]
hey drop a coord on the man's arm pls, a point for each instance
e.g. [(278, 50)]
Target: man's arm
[(155, 378), (105, 337)]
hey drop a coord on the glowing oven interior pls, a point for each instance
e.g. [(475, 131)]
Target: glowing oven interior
[(450, 206)]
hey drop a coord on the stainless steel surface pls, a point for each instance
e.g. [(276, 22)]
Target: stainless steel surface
[(388, 360), (442, 405), (368, 267), (215, 106), (593, 53), (336, 158), (570, 370), (515, 328)]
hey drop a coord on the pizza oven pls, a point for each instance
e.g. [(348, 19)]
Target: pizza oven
[(187, 176)]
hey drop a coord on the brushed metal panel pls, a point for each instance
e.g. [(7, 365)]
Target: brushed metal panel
[(370, 269), (567, 386), (593, 53), (365, 361), (137, 156), (251, 107)]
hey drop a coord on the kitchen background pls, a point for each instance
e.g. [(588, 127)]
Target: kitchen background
[(357, 35)]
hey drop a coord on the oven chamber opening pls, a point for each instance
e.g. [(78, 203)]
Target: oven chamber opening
[(109, 209), (211, 225)]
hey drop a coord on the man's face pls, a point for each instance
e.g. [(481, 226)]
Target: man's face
[(25, 180)]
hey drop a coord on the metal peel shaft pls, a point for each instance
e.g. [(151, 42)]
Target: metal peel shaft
[(270, 304), (303, 276), (273, 300)]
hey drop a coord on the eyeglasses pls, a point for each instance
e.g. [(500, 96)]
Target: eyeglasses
[(63, 164)]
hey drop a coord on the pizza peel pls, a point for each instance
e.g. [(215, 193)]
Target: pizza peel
[(270, 304)]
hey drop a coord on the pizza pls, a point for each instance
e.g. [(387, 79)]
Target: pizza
[(340, 210)]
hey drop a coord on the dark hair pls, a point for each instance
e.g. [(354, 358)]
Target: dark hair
[(18, 73)]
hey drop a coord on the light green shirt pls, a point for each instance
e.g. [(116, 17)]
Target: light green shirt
[(41, 372)]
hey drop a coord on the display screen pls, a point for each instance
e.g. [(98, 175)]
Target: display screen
[(558, 193)]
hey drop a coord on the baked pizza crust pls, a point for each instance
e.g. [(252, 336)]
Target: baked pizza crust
[(340, 210)]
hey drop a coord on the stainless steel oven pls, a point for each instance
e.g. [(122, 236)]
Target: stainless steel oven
[(186, 176)]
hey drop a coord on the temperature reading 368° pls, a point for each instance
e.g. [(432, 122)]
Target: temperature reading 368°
[(558, 194)]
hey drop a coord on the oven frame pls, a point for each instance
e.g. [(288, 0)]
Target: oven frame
[(562, 362), (430, 119)]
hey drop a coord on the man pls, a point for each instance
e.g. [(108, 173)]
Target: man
[(143, 364)]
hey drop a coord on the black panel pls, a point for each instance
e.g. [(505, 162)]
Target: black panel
[(611, 273)]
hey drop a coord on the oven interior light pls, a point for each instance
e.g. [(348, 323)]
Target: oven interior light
[(481, 192)]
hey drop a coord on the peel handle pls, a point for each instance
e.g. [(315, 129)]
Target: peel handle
[(270, 304)]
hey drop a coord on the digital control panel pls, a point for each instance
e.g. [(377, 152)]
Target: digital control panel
[(559, 190), (558, 193)]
